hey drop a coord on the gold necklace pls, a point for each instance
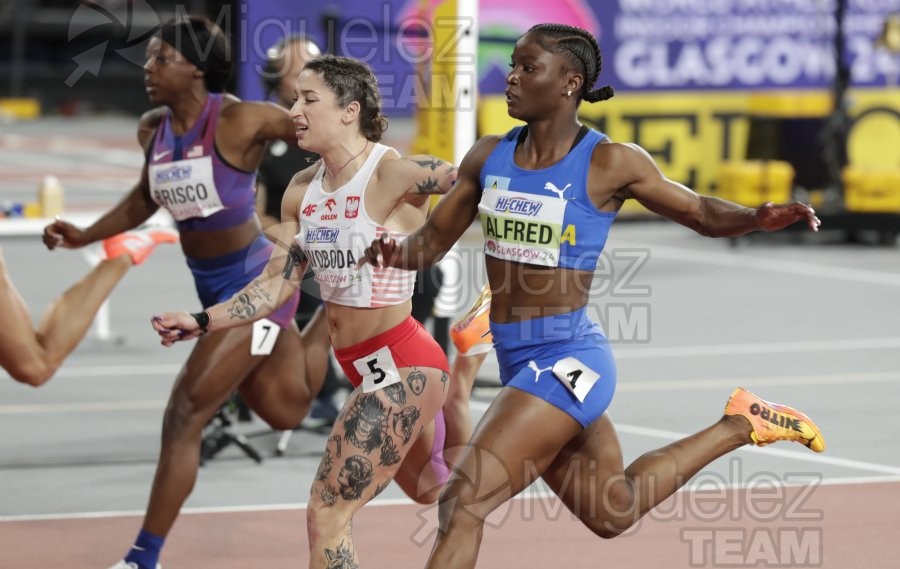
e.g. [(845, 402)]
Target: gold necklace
[(334, 173)]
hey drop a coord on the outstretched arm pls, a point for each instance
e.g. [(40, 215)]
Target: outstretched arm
[(710, 216), (261, 297), (452, 216), (134, 209)]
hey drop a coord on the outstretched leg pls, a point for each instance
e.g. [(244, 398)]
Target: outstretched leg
[(589, 477), (471, 334), (33, 356), (275, 386), (457, 415)]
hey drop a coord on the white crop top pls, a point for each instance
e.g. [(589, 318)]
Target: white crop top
[(335, 231)]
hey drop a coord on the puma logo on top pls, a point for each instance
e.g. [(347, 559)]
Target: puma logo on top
[(552, 187)]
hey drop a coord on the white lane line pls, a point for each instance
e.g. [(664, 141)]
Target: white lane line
[(760, 348), (123, 371), (728, 382), (750, 262), (807, 456), (534, 491), (85, 407), (623, 386)]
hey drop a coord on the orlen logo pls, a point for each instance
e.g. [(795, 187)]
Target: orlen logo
[(329, 205), (518, 205), (309, 210), (322, 235)]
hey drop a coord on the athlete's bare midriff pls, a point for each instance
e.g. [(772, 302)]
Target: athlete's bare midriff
[(210, 244), (523, 292), (350, 325)]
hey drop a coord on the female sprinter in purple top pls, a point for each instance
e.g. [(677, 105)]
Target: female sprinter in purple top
[(203, 147)]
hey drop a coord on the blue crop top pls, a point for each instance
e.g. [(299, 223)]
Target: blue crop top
[(542, 217)]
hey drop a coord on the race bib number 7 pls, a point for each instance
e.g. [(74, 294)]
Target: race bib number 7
[(577, 377), (378, 370), (265, 332)]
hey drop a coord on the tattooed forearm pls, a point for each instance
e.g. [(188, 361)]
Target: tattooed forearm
[(243, 308), (247, 304), (295, 256)]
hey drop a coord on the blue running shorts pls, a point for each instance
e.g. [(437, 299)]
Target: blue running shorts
[(564, 359), (219, 278)]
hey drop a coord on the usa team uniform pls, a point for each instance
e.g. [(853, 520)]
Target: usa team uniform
[(203, 192)]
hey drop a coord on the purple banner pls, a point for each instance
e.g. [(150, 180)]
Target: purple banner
[(646, 44)]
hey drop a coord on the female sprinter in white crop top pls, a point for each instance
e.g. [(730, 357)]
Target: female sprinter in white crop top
[(391, 427)]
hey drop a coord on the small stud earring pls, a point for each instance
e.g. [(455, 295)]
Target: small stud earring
[(569, 93)]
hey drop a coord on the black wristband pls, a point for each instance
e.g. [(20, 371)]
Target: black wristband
[(202, 319)]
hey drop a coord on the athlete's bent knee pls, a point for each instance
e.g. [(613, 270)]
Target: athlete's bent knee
[(323, 520)]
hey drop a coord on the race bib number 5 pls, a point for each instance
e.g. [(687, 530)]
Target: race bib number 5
[(378, 370), (577, 377)]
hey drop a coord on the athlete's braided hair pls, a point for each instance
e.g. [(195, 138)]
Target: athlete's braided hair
[(353, 80), (582, 50)]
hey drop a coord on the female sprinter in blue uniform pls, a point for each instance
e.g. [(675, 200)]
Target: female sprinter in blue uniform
[(203, 147), (547, 194), (391, 426)]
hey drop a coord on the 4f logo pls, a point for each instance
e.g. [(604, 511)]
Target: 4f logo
[(309, 210), (351, 210)]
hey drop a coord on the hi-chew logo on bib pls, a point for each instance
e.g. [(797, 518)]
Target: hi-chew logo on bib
[(186, 188), (322, 235), (525, 228)]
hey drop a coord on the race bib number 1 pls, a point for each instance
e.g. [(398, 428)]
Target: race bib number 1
[(265, 332), (378, 370), (576, 376)]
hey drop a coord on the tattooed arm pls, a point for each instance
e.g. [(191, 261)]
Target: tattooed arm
[(418, 175), (263, 295)]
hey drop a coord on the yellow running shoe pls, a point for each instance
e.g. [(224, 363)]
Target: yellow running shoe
[(471, 334), (772, 422)]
